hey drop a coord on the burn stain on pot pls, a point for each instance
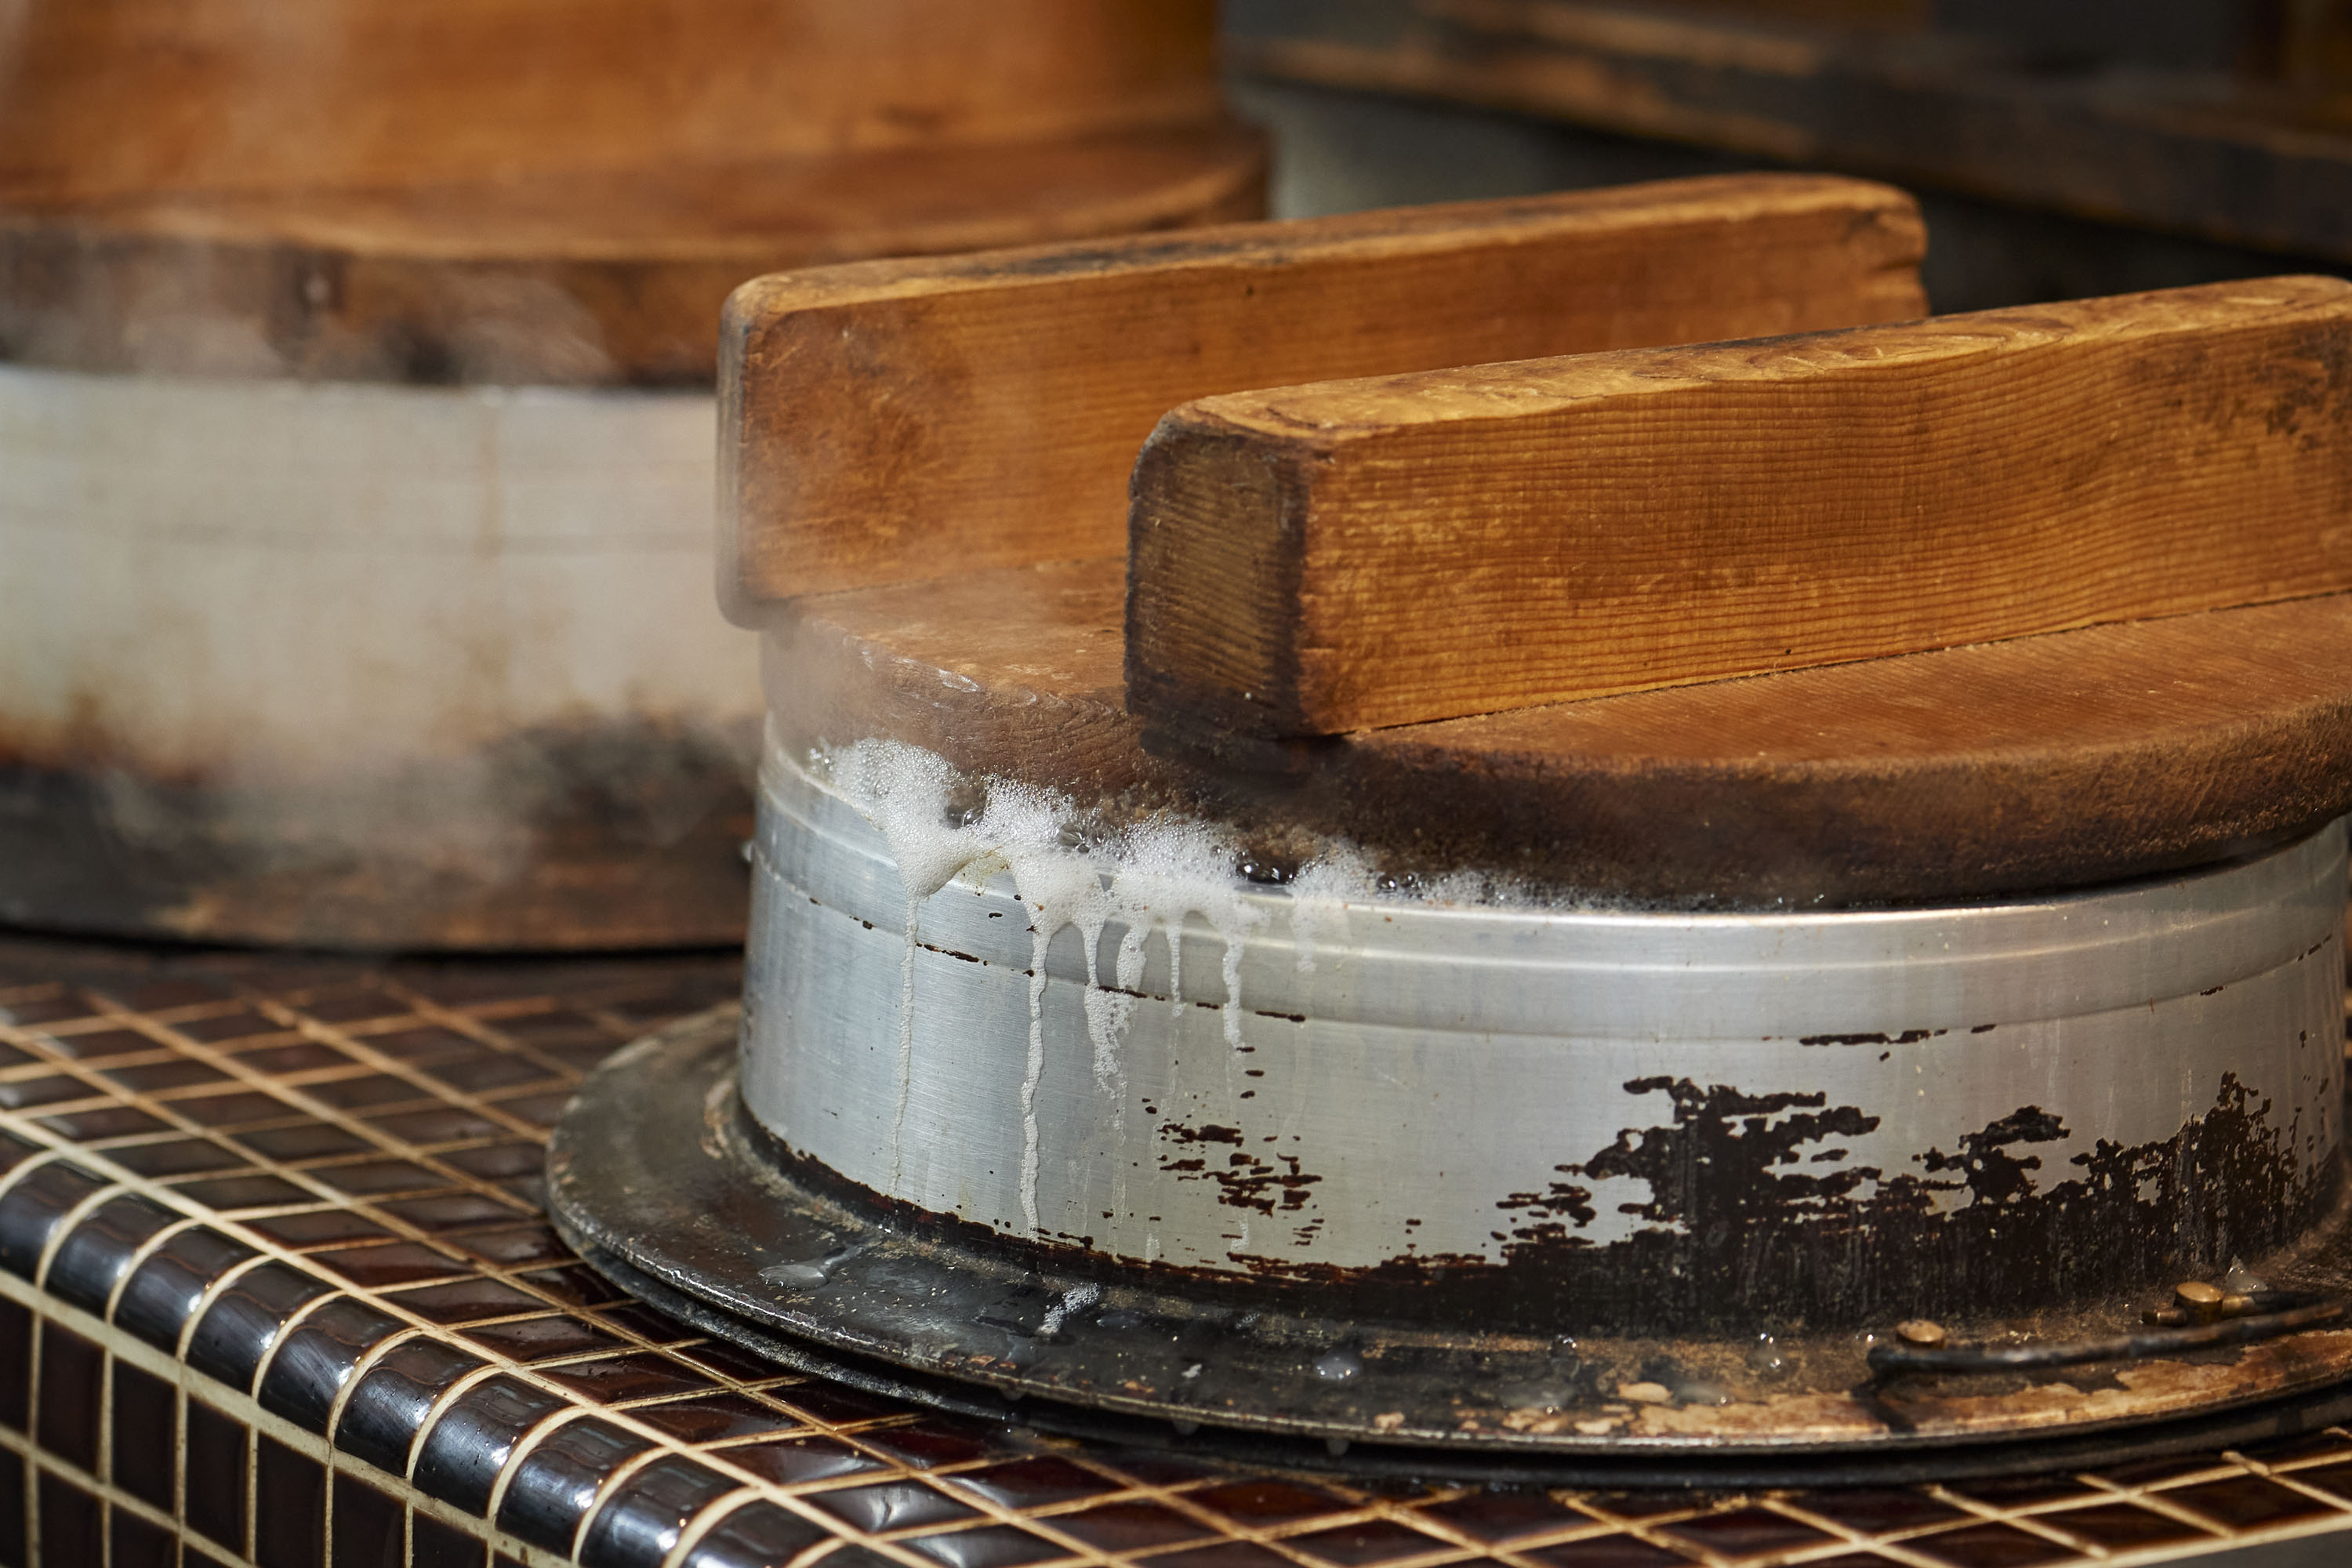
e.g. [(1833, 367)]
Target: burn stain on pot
[(1984, 1226), (1245, 1181), (1907, 1038)]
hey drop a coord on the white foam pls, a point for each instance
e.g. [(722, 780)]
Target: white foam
[(1154, 874)]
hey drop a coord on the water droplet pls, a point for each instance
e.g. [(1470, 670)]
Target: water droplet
[(1119, 1317), (2242, 1281), (811, 1269), (1183, 1429), (1765, 1359), (1338, 1366), (1192, 1369), (1335, 1446), (1700, 1394)]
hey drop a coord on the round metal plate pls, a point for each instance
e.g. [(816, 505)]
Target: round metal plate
[(658, 1177)]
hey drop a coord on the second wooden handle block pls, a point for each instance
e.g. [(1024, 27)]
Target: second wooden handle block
[(1346, 555)]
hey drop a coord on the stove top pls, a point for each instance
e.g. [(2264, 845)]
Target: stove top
[(276, 1289)]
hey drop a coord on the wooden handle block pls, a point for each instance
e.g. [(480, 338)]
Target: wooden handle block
[(904, 420), (1317, 560)]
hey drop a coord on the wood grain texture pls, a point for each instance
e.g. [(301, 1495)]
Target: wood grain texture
[(906, 419), (104, 100), (2043, 763), (587, 278), (2200, 151), (1317, 560)]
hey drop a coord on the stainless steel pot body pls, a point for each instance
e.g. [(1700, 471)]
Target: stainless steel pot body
[(1553, 1117)]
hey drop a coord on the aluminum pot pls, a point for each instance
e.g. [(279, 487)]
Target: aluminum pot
[(1547, 1118)]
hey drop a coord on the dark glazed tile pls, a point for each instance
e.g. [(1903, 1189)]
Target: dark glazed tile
[(535, 1339), (1987, 1546), (488, 1071), (306, 1140), (215, 1475), (516, 1247), (553, 1487), (468, 1444), (72, 1370), (646, 1514), (2247, 1502), (1362, 1544), (434, 1544), (318, 1227), (574, 1284), (14, 1151), (26, 1093), (367, 1526), (756, 1535), (714, 1418), (289, 1507), (298, 1056), (2336, 1479), (237, 1330), (70, 1524), (1498, 1515), (890, 1505), (1224, 1554), (225, 1026), (381, 1418), (373, 1178), (104, 1122), (239, 1110), (1598, 1551), (180, 1157), (1269, 1502), (1030, 1483), (1745, 1533), (466, 1302), (1876, 1512), (16, 1365), (138, 1544), (496, 1161), (453, 1211), (923, 1444), (146, 1434), (641, 1374), (429, 1043), (310, 1368), (240, 1195), (402, 1263), (799, 1460), (445, 1125), (164, 1291), (369, 1089), (103, 1045), (2024, 1491), (16, 1549), (543, 1110), (994, 1546), (90, 1261), (2120, 1527), (649, 1325), (179, 1073), (1132, 1527), (32, 1209)]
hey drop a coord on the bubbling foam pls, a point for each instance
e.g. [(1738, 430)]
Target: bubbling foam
[(1155, 874)]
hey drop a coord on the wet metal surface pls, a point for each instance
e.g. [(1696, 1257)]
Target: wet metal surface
[(656, 1169)]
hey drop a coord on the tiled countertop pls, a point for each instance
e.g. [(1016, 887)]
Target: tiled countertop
[(276, 1289)]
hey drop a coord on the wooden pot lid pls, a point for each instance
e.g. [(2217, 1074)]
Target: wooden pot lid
[(1943, 610), (559, 190), (2037, 764)]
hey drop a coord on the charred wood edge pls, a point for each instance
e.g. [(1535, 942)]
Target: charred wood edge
[(2187, 153), (1893, 1361)]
